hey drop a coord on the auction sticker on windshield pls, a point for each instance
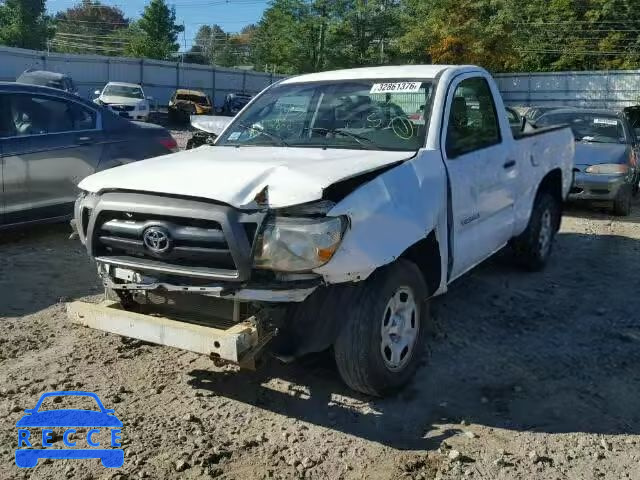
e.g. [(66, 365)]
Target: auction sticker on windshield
[(399, 87)]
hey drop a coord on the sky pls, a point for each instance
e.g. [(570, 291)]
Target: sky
[(231, 15)]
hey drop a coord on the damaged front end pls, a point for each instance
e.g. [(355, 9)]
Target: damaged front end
[(204, 263)]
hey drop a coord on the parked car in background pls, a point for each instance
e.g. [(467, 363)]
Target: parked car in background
[(50, 140), (234, 102), (42, 78), (633, 115), (185, 103), (206, 129), (533, 113), (606, 161), (126, 99)]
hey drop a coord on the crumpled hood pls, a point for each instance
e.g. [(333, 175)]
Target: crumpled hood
[(115, 100), (236, 175), (597, 153)]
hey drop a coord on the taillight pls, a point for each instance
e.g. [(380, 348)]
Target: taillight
[(169, 143)]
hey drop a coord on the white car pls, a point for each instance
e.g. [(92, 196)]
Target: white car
[(126, 99), (330, 224)]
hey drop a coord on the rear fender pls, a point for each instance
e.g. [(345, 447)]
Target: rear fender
[(389, 214)]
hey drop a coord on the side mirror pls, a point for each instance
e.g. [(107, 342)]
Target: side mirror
[(150, 99), (97, 92)]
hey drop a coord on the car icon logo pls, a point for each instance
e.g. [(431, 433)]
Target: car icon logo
[(157, 239), (69, 419)]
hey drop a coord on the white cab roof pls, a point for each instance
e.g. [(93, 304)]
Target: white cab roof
[(400, 72)]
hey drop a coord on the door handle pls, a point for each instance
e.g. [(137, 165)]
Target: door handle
[(84, 140), (509, 164)]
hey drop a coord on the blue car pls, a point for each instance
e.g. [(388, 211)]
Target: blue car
[(68, 418)]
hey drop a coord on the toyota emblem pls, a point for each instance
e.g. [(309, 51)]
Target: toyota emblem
[(157, 239)]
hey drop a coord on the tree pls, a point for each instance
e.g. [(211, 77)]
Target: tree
[(24, 24), (362, 31), (91, 26), (156, 33), (459, 32), (209, 41), (282, 40)]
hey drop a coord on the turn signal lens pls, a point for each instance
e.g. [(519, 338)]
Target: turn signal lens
[(169, 143)]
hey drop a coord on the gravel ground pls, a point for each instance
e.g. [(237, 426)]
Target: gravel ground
[(529, 376)]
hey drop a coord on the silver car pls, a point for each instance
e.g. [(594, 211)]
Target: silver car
[(50, 140)]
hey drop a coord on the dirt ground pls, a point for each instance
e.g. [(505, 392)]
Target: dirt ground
[(529, 376)]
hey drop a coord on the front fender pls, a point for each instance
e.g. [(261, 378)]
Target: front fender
[(388, 215)]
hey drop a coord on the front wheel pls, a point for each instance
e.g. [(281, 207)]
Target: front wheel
[(533, 247), (380, 346)]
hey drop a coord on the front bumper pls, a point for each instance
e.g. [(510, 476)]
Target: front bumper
[(118, 278), (135, 114), (588, 186), (235, 343)]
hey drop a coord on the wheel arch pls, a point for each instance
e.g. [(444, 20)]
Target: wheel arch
[(551, 183), (425, 254)]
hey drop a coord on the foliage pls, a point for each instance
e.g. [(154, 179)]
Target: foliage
[(91, 27), (501, 35), (24, 24), (297, 36), (155, 35)]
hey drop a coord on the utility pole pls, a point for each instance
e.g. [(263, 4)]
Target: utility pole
[(184, 39)]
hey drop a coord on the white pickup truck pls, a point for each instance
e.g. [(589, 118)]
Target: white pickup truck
[(328, 212)]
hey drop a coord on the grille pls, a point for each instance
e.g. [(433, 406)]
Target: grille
[(122, 108), (193, 242)]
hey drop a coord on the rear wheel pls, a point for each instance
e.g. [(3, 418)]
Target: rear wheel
[(380, 346), (533, 247), (622, 203)]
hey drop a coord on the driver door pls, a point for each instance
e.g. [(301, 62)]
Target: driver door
[(481, 173)]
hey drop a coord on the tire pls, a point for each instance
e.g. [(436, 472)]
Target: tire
[(622, 204), (366, 363), (532, 248)]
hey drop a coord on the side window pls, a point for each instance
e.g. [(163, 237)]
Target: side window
[(36, 115), (7, 128), (473, 121), (83, 118)]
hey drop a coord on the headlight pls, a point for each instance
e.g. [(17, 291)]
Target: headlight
[(608, 169), (298, 244)]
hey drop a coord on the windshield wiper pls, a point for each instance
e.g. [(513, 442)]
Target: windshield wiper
[(346, 133), (271, 135)]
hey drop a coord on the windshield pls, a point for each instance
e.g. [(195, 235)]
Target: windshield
[(358, 114), (123, 91), (199, 99), (588, 127)]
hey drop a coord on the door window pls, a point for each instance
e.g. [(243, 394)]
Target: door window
[(473, 122), (37, 115)]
